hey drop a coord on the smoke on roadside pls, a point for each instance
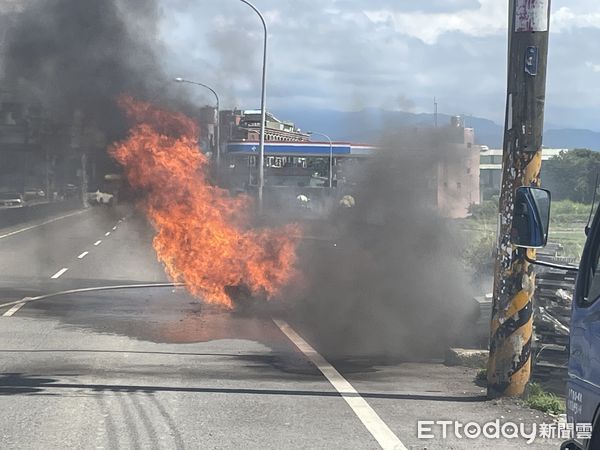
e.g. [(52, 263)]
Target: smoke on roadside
[(392, 283), (79, 55)]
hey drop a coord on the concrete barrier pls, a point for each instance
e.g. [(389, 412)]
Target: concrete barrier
[(467, 357), (15, 216)]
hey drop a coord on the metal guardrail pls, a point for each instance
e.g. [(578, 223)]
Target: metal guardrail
[(15, 216)]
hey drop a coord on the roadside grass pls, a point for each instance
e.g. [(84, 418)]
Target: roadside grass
[(479, 239), (572, 238), (537, 398), (481, 378), (481, 375)]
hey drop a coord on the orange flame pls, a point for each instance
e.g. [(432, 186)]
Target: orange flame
[(202, 235)]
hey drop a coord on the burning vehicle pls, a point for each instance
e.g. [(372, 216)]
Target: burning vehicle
[(203, 235)]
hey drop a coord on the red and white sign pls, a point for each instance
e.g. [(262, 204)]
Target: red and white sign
[(531, 15)]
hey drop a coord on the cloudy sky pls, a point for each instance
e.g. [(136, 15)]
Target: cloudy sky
[(392, 54)]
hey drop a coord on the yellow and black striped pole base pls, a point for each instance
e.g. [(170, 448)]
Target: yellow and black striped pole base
[(509, 365)]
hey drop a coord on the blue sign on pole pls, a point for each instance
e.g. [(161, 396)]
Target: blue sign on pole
[(531, 61)]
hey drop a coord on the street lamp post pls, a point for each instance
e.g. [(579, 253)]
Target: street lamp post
[(218, 124), (263, 110), (330, 156)]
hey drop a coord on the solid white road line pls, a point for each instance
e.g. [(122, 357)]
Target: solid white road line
[(13, 310), (107, 233), (82, 255), (97, 243), (92, 289), (12, 233), (370, 419), (59, 273)]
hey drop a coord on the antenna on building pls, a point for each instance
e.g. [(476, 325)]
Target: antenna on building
[(435, 112)]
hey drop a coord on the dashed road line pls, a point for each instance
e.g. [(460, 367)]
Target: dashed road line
[(107, 233), (367, 415), (114, 228), (22, 230), (13, 310), (98, 242), (59, 273), (83, 255)]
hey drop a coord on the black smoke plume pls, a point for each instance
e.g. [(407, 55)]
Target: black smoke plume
[(78, 55), (391, 283)]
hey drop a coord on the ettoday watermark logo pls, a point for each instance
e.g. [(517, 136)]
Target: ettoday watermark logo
[(444, 429)]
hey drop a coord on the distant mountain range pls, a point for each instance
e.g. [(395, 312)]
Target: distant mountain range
[(368, 125)]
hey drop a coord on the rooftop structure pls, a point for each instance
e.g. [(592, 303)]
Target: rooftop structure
[(238, 125)]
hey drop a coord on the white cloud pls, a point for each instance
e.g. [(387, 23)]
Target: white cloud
[(489, 19), (594, 67), (566, 18), (221, 22)]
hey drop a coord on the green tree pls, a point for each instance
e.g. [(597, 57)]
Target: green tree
[(572, 175), (486, 211)]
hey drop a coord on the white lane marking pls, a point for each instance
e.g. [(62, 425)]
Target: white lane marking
[(97, 243), (370, 419), (82, 255), (12, 233), (107, 233), (13, 310), (114, 228), (59, 273)]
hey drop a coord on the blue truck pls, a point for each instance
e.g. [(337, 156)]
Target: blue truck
[(531, 218)]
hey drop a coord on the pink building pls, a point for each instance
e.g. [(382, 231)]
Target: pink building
[(448, 159), (458, 172)]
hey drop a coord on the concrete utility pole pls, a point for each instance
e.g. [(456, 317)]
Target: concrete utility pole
[(509, 365)]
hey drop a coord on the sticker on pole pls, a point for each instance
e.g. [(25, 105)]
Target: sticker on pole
[(531, 15), (531, 61)]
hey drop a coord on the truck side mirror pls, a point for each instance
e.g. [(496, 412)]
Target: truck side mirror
[(531, 217)]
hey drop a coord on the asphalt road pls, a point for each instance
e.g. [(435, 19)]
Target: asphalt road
[(154, 368)]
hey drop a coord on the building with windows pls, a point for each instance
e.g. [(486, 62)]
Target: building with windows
[(294, 164), (458, 171), (448, 155), (244, 125), (448, 161), (490, 168)]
